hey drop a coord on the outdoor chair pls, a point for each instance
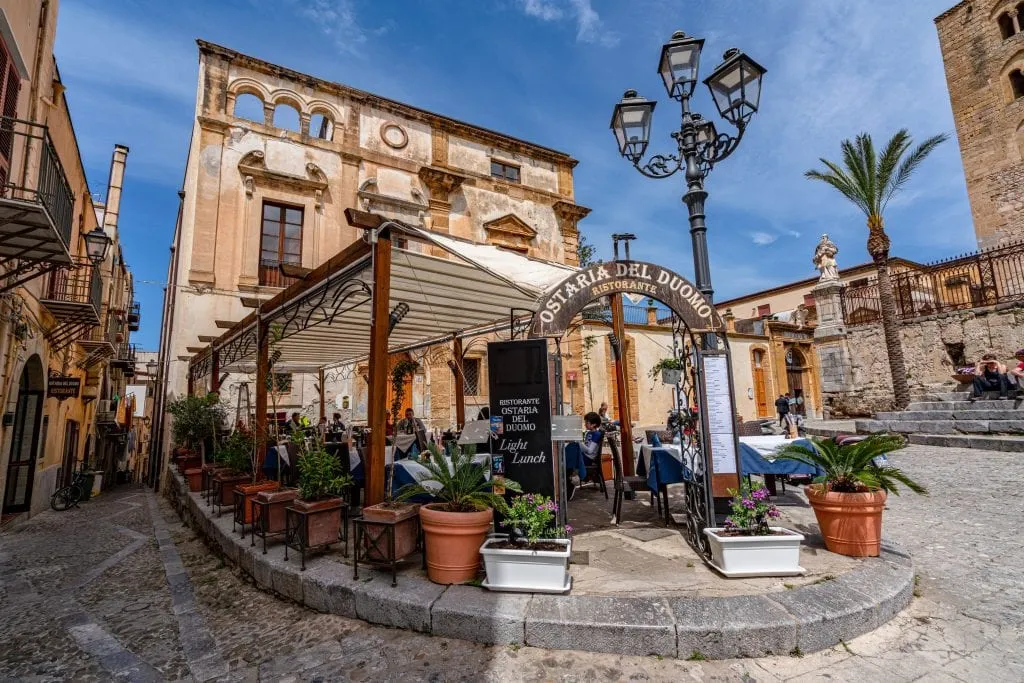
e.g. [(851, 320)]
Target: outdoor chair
[(595, 474), (635, 482)]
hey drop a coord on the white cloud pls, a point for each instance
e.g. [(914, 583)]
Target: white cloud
[(762, 239), (589, 26)]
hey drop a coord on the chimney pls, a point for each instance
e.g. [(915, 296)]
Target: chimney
[(114, 185), (730, 320)]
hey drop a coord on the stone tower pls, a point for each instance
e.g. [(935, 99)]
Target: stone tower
[(982, 45)]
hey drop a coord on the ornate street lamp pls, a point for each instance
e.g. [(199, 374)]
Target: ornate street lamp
[(151, 367), (97, 242), (735, 87)]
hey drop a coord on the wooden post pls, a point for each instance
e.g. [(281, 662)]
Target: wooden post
[(262, 368), (622, 386), (460, 385), (191, 382), (323, 408), (215, 371), (378, 390)]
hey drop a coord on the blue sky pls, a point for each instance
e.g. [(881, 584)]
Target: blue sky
[(550, 71)]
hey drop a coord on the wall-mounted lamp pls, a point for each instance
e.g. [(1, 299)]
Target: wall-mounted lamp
[(97, 243)]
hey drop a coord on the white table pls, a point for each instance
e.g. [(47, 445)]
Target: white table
[(767, 445)]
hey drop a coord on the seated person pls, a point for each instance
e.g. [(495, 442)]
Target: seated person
[(1017, 373), (591, 448), (990, 375)]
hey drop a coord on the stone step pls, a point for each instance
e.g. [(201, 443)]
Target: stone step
[(941, 426), (987, 413), (985, 404), (1008, 444), (960, 395)]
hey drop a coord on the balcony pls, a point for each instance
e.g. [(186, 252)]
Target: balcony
[(74, 297), (36, 206), (134, 317), (106, 413), (124, 356), (98, 343)]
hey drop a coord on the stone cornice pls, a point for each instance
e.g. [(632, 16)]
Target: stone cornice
[(253, 164), (510, 224), (407, 111), (441, 182), (570, 212)]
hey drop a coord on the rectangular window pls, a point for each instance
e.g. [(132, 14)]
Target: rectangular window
[(505, 171), (10, 84), (763, 310), (280, 242), (471, 369)]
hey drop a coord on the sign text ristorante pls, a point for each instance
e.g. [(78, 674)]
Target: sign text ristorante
[(559, 306)]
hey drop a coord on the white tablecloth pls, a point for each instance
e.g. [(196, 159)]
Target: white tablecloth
[(646, 450), (766, 446)]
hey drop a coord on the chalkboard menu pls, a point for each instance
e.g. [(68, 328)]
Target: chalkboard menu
[(521, 415)]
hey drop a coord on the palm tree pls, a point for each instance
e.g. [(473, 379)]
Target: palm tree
[(870, 181)]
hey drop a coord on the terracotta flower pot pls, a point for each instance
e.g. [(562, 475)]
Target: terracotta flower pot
[(225, 484), (851, 523), (250, 491), (194, 477), (403, 516), (453, 542), (279, 500), (323, 520)]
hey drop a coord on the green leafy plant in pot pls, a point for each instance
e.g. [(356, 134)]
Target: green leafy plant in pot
[(321, 487), (849, 497), (195, 419), (456, 525), (670, 370)]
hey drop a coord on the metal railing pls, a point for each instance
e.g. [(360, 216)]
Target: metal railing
[(976, 280), (271, 275), (32, 144), (124, 354), (79, 284), (134, 316), (631, 315), (106, 411)]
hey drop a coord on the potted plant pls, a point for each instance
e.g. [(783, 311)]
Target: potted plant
[(321, 485), (671, 370), (233, 458), (455, 527), (848, 499), (250, 445), (534, 556), (195, 420), (747, 545)]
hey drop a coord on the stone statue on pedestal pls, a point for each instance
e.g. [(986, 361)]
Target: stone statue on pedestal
[(825, 259)]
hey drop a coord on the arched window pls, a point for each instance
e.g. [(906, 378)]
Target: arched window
[(1017, 83), (287, 117), (321, 126), (249, 107), (1005, 22), (758, 358)]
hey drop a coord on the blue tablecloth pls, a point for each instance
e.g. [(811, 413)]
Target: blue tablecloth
[(666, 469), (575, 460)]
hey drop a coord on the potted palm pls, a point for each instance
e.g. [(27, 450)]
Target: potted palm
[(321, 486), (848, 499), (748, 545), (534, 556), (456, 525), (670, 369)]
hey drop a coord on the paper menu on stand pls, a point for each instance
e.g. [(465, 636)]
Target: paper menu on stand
[(720, 414)]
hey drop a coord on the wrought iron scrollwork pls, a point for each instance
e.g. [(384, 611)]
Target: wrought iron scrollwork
[(324, 306), (660, 166), (201, 367), (691, 431), (238, 348)]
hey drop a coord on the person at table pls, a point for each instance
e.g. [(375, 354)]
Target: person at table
[(990, 375), (321, 428), (782, 408), (590, 449), (606, 422), (294, 424), (413, 425), (336, 428)]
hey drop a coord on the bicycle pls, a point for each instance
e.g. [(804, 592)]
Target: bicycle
[(68, 496)]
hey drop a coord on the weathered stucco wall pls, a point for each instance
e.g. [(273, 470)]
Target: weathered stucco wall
[(927, 344)]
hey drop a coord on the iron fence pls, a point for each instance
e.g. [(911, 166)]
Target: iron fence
[(79, 284), (975, 280), (50, 186)]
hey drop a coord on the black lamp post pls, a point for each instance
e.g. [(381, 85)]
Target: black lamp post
[(735, 86)]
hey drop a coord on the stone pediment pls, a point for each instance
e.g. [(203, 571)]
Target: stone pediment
[(510, 226)]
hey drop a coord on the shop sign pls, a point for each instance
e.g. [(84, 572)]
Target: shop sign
[(63, 387)]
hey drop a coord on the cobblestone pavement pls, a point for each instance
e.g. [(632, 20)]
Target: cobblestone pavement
[(119, 589)]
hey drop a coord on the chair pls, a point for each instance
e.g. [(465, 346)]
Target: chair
[(595, 475), (620, 481)]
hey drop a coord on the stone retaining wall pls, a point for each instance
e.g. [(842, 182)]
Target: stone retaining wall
[(805, 619), (869, 385)]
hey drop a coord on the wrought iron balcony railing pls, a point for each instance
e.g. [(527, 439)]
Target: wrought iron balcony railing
[(134, 316), (124, 356)]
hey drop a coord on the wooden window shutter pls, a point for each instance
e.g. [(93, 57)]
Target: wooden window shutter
[(10, 84)]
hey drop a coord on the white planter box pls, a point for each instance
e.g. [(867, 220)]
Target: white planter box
[(527, 571), (743, 556)]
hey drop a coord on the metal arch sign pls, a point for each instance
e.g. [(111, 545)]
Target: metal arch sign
[(559, 306)]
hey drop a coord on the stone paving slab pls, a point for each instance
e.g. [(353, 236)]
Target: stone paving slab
[(804, 619)]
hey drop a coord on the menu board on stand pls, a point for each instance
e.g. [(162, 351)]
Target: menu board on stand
[(718, 402), (520, 423)]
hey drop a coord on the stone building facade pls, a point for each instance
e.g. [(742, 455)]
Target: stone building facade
[(982, 44), (64, 322), (277, 156)]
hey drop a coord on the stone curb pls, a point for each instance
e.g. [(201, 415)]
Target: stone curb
[(804, 619)]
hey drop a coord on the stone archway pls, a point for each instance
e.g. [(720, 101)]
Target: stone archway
[(28, 413)]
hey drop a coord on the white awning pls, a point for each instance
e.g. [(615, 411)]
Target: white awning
[(328, 323)]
